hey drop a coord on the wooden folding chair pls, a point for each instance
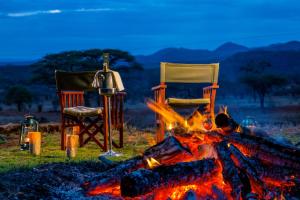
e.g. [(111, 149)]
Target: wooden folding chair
[(91, 121), (186, 73)]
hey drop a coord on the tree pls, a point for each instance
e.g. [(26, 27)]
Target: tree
[(260, 79), (43, 70), (18, 95)]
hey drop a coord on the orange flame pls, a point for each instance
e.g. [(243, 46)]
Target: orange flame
[(167, 113), (195, 122), (223, 109)]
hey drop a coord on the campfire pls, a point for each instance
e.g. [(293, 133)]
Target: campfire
[(204, 159)]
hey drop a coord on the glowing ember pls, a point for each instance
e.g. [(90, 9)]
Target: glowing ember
[(151, 162), (169, 126), (175, 193), (113, 190)]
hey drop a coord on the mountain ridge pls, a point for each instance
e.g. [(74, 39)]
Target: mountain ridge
[(219, 54), (226, 51)]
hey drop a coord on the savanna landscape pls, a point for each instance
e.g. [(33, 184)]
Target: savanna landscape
[(259, 84)]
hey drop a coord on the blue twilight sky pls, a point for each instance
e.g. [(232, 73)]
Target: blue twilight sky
[(30, 29)]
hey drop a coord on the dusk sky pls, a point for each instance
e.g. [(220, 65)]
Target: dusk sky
[(29, 29)]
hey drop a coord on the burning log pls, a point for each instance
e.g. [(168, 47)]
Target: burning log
[(242, 162), (257, 143), (190, 195), (226, 123), (230, 172), (229, 125), (218, 194), (143, 181), (273, 171), (266, 150), (166, 152)]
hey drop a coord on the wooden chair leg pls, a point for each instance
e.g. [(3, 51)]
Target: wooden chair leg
[(212, 114), (160, 131), (121, 136), (105, 123), (63, 137), (81, 135), (121, 122)]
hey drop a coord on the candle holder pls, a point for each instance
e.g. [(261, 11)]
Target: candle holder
[(35, 140), (72, 145)]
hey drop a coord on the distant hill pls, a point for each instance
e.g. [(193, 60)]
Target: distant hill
[(174, 55), (228, 49), (4, 63), (220, 54), (190, 55), (288, 46), (284, 62)]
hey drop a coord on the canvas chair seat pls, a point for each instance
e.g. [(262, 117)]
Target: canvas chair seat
[(82, 111), (187, 102)]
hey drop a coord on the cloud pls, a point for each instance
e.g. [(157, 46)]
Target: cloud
[(93, 9), (31, 13), (57, 11)]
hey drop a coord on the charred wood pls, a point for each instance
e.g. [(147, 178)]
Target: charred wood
[(243, 163), (108, 162), (190, 195), (266, 150), (224, 120), (111, 178), (218, 194), (270, 170), (226, 123), (166, 151), (169, 151), (143, 181), (230, 172)]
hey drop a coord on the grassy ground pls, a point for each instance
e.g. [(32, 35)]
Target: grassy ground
[(12, 158), (280, 122), (135, 142)]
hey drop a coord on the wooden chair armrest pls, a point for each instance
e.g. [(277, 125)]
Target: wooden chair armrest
[(211, 87), (209, 91), (121, 93), (158, 87)]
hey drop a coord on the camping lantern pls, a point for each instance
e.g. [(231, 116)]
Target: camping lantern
[(29, 124)]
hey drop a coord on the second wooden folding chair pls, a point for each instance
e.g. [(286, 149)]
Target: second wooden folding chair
[(92, 121)]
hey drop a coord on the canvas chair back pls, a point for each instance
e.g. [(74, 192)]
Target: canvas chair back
[(189, 73), (74, 81)]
